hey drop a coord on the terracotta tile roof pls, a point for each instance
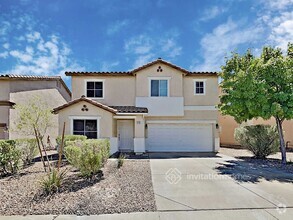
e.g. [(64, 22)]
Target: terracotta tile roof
[(134, 71), (98, 73), (159, 61), (32, 77), (105, 107), (130, 109)]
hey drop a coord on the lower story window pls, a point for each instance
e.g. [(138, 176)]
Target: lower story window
[(87, 128)]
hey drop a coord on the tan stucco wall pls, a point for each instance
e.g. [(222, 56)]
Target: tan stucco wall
[(190, 115), (53, 99), (139, 125), (106, 118), (117, 90), (176, 80), (4, 118), (228, 126), (4, 90), (211, 96)]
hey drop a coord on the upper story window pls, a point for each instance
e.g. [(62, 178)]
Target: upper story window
[(199, 87), (159, 87), (95, 89)]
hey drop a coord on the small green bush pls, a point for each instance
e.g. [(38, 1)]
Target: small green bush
[(9, 157), (121, 159), (69, 138), (261, 140), (52, 182), (88, 156), (28, 149)]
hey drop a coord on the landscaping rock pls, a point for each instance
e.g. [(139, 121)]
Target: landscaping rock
[(128, 189)]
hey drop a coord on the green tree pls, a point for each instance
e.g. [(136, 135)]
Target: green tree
[(34, 118), (259, 87)]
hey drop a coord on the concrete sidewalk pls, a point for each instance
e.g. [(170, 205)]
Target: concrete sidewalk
[(244, 214)]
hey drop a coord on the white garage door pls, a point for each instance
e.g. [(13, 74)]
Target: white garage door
[(180, 138)]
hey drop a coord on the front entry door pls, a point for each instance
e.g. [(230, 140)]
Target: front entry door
[(125, 135)]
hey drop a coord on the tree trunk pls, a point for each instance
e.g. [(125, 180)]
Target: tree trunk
[(281, 138)]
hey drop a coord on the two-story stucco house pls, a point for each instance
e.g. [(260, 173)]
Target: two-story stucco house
[(18, 89), (156, 107)]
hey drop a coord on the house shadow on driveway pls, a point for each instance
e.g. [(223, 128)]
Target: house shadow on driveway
[(176, 155), (248, 169)]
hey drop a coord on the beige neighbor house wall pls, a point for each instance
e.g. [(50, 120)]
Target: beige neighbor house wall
[(228, 126), (51, 97), (105, 122), (19, 89), (118, 90)]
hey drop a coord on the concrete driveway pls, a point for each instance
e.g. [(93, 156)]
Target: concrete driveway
[(198, 185)]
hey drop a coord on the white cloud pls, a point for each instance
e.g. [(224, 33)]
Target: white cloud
[(6, 45), (117, 26), (32, 37), (273, 25), (108, 66), (4, 29), (281, 30), (224, 39), (23, 57), (213, 12), (141, 44), (143, 59), (144, 48), (170, 47), (277, 4), (42, 57), (4, 54)]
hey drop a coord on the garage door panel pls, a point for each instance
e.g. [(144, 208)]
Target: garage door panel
[(180, 138)]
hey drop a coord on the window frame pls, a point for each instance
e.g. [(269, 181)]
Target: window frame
[(72, 118), (95, 80), (159, 78), (204, 86)]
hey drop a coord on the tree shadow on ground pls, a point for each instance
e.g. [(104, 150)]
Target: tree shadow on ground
[(249, 169)]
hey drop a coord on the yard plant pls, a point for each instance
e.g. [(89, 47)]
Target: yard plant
[(28, 149), (9, 157), (261, 140), (88, 156), (52, 181)]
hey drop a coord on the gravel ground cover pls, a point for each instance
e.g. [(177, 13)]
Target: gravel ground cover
[(128, 189), (272, 162)]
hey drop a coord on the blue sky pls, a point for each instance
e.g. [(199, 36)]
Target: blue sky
[(49, 37)]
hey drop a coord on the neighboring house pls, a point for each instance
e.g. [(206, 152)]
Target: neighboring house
[(228, 126), (156, 107), (18, 89)]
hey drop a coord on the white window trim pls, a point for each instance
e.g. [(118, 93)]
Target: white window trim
[(71, 118), (204, 86), (94, 80), (159, 78)]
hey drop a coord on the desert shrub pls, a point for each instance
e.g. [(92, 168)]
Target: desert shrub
[(9, 157), (28, 149), (69, 138), (261, 140), (53, 180), (88, 156), (121, 159)]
